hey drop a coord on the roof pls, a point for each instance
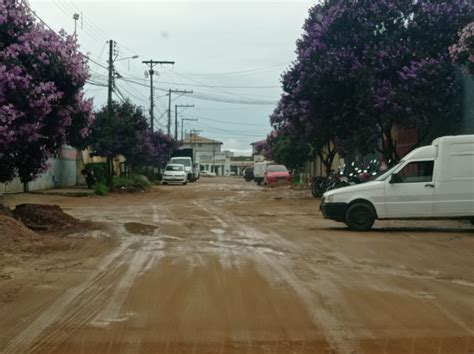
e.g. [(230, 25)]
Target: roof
[(258, 142), (197, 139)]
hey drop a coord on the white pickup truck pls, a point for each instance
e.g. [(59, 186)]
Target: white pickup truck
[(435, 181)]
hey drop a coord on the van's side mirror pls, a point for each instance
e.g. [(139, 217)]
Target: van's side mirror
[(395, 178)]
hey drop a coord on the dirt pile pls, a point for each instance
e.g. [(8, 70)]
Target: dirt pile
[(41, 217), (13, 234), (5, 211)]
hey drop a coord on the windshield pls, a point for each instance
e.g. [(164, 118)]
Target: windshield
[(389, 172), (277, 168), (174, 168), (185, 162)]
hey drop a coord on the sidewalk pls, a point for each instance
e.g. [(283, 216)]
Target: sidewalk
[(76, 191)]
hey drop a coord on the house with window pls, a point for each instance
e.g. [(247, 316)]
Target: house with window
[(208, 153)]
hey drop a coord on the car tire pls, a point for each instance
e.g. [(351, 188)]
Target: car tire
[(164, 183), (185, 183), (360, 217)]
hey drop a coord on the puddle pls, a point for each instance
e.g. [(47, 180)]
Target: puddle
[(218, 231), (140, 229)]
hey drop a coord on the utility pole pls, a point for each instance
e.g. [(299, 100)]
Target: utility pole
[(183, 92), (111, 76), (182, 125), (109, 105), (176, 106), (151, 64)]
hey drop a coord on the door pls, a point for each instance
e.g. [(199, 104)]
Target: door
[(410, 191)]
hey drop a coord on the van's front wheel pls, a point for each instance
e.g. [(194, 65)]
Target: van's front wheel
[(360, 217)]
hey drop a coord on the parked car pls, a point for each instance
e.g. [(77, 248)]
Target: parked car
[(208, 174), (277, 174), (435, 181), (174, 173), (248, 174)]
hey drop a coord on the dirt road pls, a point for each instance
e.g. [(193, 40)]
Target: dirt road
[(224, 266)]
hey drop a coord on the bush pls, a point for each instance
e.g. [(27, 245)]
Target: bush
[(101, 189), (100, 171), (131, 184)]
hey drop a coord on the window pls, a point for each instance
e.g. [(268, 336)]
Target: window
[(416, 172), (174, 168), (277, 168)]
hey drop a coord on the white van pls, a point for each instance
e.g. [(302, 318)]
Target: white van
[(435, 181), (259, 170)]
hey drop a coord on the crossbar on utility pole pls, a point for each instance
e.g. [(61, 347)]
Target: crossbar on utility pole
[(176, 106), (152, 64), (170, 91)]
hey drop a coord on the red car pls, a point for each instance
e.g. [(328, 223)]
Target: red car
[(277, 174)]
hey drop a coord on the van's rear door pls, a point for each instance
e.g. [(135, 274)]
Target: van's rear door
[(411, 194), (454, 194)]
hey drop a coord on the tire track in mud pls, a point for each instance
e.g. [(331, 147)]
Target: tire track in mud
[(275, 267), (56, 311), (96, 301)]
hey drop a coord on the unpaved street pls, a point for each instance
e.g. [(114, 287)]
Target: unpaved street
[(224, 266)]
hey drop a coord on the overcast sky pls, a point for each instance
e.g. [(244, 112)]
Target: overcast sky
[(225, 51)]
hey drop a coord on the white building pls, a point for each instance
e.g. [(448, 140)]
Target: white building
[(208, 154)]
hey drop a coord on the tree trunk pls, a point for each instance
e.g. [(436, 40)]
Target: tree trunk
[(390, 148), (327, 160), (110, 173)]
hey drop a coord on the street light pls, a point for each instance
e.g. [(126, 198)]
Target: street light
[(127, 58), (75, 17), (134, 57)]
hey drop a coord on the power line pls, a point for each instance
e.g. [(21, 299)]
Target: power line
[(229, 122), (227, 130), (140, 98), (217, 89), (239, 73), (96, 83), (97, 63), (209, 97), (218, 86)]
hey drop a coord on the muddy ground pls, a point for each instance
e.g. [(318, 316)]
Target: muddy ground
[(224, 266)]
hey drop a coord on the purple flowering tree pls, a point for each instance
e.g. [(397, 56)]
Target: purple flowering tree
[(162, 147), (365, 67), (41, 101), (264, 149), (126, 132), (462, 52)]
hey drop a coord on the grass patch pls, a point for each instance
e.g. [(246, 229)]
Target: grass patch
[(101, 189)]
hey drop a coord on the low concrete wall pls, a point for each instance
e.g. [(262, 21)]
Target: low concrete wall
[(63, 172)]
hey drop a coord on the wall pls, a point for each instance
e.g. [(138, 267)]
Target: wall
[(63, 172), (218, 162)]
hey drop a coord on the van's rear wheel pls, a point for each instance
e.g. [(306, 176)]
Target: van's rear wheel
[(360, 217)]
